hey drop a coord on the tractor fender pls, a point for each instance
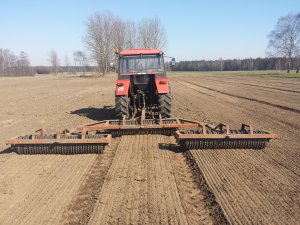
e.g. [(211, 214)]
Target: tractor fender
[(122, 87), (162, 85)]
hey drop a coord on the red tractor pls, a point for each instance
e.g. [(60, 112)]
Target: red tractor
[(142, 84)]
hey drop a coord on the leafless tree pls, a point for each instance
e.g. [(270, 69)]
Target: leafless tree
[(54, 61), (130, 35), (77, 55), (99, 39), (13, 65), (118, 34), (67, 64), (297, 63), (284, 40), (76, 60), (118, 37), (81, 60), (106, 33), (221, 64), (23, 67), (152, 34), (84, 62)]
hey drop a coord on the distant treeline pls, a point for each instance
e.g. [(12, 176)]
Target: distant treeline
[(14, 65), (237, 64), (64, 69), (19, 65)]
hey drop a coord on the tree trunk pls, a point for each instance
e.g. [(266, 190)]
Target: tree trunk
[(104, 68), (99, 67), (289, 66), (289, 63)]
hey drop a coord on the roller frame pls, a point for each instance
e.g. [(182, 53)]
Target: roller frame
[(140, 125)]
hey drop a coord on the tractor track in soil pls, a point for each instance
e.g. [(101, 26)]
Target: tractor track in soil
[(149, 182), (247, 98), (254, 85), (282, 122), (250, 186), (283, 119), (36, 190), (249, 197), (81, 207), (251, 79)]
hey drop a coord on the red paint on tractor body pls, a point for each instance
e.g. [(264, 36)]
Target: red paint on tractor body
[(141, 51), (162, 85), (122, 87)]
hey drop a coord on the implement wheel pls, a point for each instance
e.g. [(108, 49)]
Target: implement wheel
[(165, 105), (122, 106)]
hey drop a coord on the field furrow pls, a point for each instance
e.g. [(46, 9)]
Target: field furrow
[(268, 86), (43, 197), (256, 198), (145, 185), (250, 186), (275, 100), (219, 109)]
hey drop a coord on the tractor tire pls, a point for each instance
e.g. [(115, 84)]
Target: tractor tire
[(122, 106), (165, 105)]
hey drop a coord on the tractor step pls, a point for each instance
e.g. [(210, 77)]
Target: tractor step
[(221, 137)]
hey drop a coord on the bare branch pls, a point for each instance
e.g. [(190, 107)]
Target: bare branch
[(105, 33), (54, 61), (99, 39), (284, 40), (152, 34)]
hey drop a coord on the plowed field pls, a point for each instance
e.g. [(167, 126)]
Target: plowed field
[(148, 179)]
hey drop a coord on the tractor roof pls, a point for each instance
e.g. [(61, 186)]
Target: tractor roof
[(139, 51)]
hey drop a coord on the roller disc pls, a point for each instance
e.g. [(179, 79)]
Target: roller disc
[(62, 149), (224, 144), (118, 133)]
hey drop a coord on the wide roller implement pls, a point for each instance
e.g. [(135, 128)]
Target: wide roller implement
[(94, 137), (222, 137), (60, 143)]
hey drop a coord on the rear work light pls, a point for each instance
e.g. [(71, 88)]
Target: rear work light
[(119, 84)]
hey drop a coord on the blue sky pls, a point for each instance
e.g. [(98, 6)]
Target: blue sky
[(195, 29)]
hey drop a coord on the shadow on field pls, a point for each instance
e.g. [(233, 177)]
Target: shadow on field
[(8, 151), (170, 147), (105, 113)]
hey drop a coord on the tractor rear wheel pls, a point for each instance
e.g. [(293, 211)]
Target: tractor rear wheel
[(165, 105), (122, 106)]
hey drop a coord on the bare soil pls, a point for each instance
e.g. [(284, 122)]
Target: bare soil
[(148, 179), (250, 186)]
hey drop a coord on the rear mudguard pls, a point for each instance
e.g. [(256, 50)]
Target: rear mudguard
[(122, 87), (162, 85)]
